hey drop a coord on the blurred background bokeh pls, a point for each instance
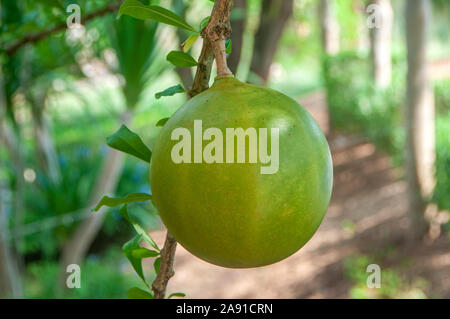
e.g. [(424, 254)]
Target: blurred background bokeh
[(374, 74)]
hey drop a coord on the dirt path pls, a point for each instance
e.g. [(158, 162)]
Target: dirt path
[(367, 214)]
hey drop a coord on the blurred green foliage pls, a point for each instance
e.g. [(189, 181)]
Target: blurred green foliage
[(102, 276), (394, 283), (356, 105), (83, 113)]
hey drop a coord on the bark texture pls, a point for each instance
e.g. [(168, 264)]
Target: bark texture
[(166, 268), (217, 31), (419, 116), (329, 27), (274, 15), (203, 73), (380, 43)]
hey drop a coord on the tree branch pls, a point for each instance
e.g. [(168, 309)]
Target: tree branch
[(35, 37), (217, 31), (203, 73), (166, 268), (214, 35)]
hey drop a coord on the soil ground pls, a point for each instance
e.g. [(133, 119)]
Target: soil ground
[(367, 215)]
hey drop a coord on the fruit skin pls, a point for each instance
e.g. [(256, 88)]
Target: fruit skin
[(229, 214)]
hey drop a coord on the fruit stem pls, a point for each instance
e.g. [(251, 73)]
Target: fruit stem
[(214, 35), (217, 31)]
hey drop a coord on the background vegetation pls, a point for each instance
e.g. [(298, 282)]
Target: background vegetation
[(64, 94)]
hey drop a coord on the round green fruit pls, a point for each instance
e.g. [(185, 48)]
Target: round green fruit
[(241, 214)]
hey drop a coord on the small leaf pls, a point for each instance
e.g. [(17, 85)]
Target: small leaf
[(170, 91), (228, 46), (137, 293), (176, 294), (163, 121), (129, 142), (139, 230), (204, 23), (144, 253), (139, 11), (187, 45), (157, 264), (181, 59), (116, 201), (127, 250)]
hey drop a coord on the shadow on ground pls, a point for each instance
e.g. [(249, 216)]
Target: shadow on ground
[(367, 215)]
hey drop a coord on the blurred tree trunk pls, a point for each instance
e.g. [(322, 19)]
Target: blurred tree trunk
[(419, 116), (237, 34), (10, 279), (329, 27), (46, 154), (274, 15), (380, 43), (185, 74), (78, 245)]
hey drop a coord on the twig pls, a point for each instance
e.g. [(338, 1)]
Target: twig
[(166, 268), (201, 80), (35, 37), (217, 31), (214, 35)]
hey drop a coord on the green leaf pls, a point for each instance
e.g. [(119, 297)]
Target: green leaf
[(204, 23), (139, 11), (116, 201), (176, 294), (170, 91), (181, 59), (127, 250), (137, 293), (144, 253), (157, 264), (129, 142), (163, 121), (228, 46), (187, 45), (139, 230)]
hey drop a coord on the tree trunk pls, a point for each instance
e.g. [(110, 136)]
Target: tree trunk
[(77, 247), (10, 279), (46, 154), (329, 27), (380, 43), (419, 116), (237, 36), (274, 15)]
